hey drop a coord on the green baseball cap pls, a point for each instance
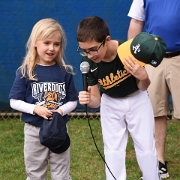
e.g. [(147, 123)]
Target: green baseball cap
[(145, 48)]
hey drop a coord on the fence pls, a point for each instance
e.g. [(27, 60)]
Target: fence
[(73, 115)]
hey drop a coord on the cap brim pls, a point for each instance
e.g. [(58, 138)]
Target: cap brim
[(124, 51), (63, 147)]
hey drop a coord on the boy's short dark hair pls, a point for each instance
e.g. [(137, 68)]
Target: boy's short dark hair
[(92, 28)]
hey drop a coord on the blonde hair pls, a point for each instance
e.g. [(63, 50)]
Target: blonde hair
[(42, 30)]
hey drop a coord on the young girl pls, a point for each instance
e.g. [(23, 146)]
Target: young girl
[(43, 85)]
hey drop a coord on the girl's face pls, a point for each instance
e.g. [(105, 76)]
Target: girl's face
[(48, 49)]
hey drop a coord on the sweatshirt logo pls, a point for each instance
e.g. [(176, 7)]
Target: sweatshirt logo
[(49, 94)]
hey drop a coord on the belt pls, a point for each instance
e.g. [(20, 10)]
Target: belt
[(172, 54)]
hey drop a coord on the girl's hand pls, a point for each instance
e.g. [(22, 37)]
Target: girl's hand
[(43, 112), (58, 110)]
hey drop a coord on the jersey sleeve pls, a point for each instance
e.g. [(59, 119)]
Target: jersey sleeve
[(137, 10), (71, 92), (18, 89)]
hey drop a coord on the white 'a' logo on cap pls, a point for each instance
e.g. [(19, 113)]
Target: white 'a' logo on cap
[(136, 48)]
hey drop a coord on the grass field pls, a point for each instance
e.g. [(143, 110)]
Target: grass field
[(86, 163)]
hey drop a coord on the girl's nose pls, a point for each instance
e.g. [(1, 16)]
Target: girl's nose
[(51, 47)]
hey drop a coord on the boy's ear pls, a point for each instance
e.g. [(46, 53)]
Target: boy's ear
[(107, 40)]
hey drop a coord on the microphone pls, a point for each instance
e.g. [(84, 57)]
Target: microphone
[(84, 67)]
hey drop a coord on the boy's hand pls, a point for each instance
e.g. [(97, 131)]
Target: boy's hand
[(84, 97), (132, 66), (43, 112)]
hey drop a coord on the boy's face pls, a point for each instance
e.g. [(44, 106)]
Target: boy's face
[(93, 50)]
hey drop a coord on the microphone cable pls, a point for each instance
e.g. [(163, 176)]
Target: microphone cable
[(84, 67), (87, 115)]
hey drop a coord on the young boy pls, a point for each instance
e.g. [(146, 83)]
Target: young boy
[(125, 105)]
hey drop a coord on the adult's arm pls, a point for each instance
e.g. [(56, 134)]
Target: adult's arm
[(135, 27), (137, 15)]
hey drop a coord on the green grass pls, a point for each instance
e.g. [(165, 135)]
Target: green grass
[(86, 163)]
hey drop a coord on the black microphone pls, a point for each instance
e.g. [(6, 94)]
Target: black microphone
[(84, 67)]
